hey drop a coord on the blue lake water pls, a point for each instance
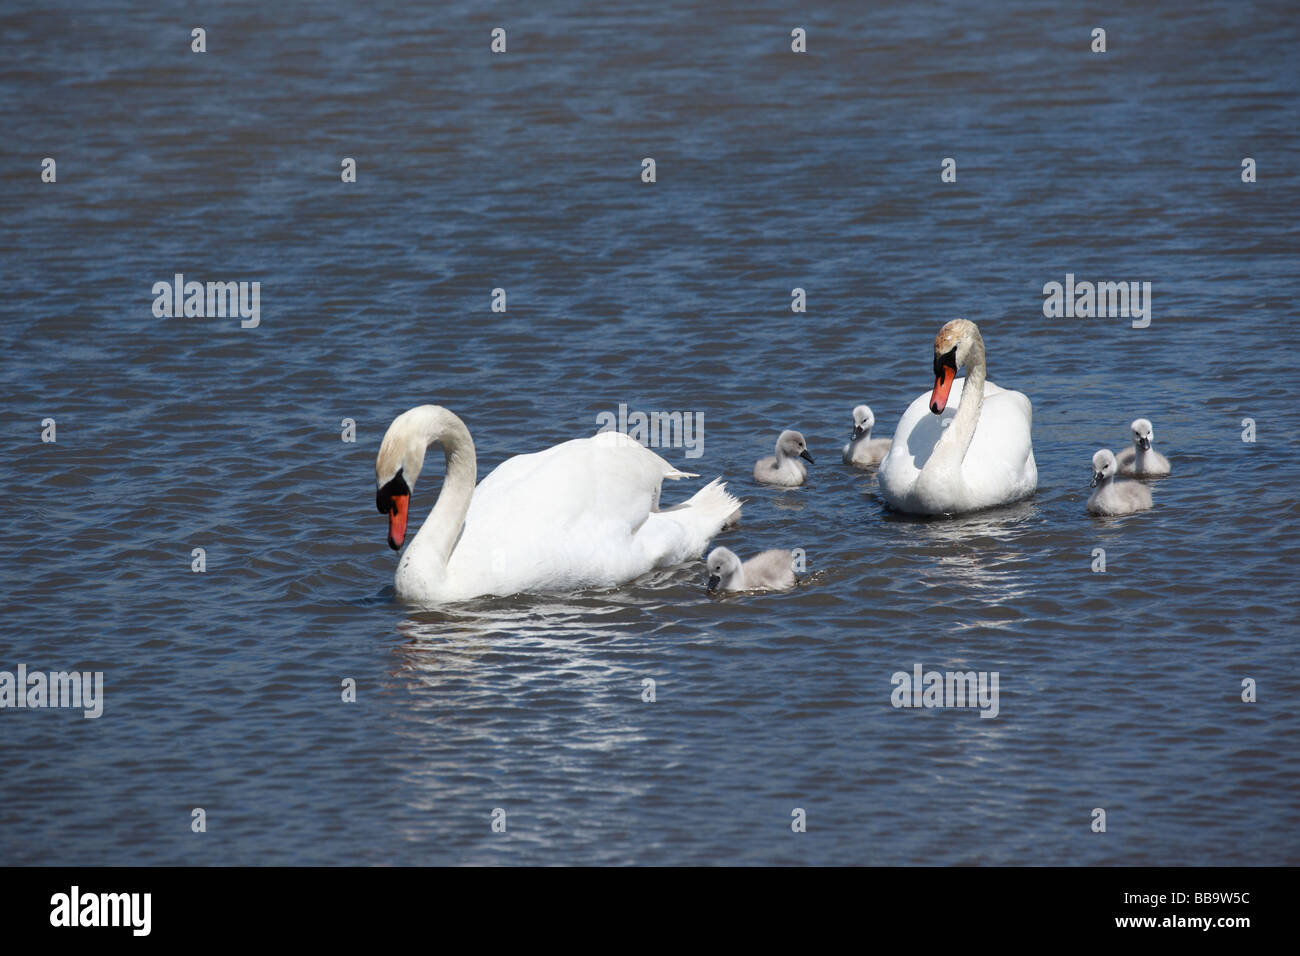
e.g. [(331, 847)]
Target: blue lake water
[(775, 170)]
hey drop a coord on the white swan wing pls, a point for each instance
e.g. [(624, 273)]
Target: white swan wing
[(914, 439), (999, 465), (583, 512), (585, 477)]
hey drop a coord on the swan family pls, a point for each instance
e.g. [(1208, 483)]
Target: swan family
[(587, 512)]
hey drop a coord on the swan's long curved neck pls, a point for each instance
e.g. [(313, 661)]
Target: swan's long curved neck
[(958, 435), (441, 530)]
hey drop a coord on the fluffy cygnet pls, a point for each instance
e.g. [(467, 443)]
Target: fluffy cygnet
[(768, 571), (1114, 497), (785, 468), (863, 451), (1142, 461)]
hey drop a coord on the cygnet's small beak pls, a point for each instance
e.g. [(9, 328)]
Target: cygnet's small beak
[(714, 581), (807, 457), (1096, 477), (858, 432), (1145, 443)]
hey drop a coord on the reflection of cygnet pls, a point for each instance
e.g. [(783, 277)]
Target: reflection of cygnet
[(863, 451), (768, 571), (1142, 461), (784, 468), (1114, 497)]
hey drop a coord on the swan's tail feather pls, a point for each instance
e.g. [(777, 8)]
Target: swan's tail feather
[(733, 520), (714, 497), (674, 474), (710, 510)]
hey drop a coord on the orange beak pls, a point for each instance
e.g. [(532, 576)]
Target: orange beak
[(397, 521), (942, 386)]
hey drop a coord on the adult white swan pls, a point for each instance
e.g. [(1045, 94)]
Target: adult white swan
[(949, 461), (580, 514)]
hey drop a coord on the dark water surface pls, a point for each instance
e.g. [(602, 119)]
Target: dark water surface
[(522, 171)]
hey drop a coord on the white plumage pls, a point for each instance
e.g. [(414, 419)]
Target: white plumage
[(583, 513), (976, 453)]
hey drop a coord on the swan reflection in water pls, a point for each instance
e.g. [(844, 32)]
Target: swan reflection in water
[(547, 696), (546, 634), (975, 552)]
